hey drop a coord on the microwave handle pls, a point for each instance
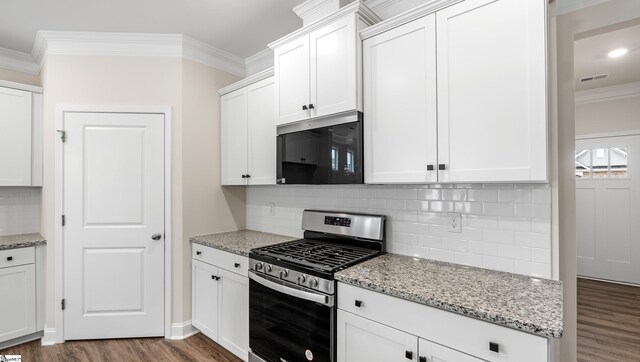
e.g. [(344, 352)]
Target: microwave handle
[(297, 293)]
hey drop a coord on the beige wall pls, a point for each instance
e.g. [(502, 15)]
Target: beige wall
[(207, 207), (19, 77), (608, 116), (149, 81), (563, 132)]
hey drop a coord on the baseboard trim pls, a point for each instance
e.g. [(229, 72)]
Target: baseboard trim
[(49, 338), (182, 330), (20, 340)]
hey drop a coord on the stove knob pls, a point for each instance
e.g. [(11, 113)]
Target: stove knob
[(268, 268), (313, 282), (301, 279), (257, 266), (284, 273)]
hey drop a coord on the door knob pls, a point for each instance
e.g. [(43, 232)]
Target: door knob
[(156, 236)]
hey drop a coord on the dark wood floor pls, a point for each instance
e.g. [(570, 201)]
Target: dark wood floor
[(194, 348), (608, 322)]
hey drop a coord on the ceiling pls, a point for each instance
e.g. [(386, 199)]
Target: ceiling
[(591, 58), (240, 27)]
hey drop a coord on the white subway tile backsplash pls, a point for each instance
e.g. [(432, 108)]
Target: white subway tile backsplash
[(504, 226), (19, 210)]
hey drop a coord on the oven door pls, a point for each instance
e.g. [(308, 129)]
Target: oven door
[(289, 323)]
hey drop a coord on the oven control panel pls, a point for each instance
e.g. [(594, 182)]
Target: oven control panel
[(292, 276), (337, 221)]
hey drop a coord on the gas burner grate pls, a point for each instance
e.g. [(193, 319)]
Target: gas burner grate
[(320, 255)]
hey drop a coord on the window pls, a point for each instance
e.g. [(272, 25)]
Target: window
[(350, 167), (334, 158), (602, 163)]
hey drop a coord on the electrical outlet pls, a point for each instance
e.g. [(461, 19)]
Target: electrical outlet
[(272, 209), (454, 221)]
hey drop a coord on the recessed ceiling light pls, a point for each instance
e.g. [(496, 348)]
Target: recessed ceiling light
[(618, 52)]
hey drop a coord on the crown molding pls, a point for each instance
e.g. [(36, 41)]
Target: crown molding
[(568, 6), (247, 81), (259, 62), (355, 7), (429, 7), (134, 44), (18, 61), (608, 93), (311, 11)]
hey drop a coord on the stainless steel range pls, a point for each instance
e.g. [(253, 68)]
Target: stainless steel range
[(292, 311)]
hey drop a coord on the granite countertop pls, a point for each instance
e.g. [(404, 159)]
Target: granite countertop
[(529, 304), (21, 241), (240, 242)]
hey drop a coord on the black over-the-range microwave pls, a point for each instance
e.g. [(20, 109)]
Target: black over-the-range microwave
[(321, 151)]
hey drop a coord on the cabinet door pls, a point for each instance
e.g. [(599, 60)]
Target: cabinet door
[(15, 137), (434, 352), (291, 68), (333, 67), (492, 117), (233, 138), (262, 133), (18, 301), (361, 339), (204, 303), (234, 313), (400, 125)]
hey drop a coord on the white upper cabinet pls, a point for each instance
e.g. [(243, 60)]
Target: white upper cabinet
[(492, 114), (248, 132), (20, 138), (291, 67), (317, 67), (458, 95), (234, 141), (400, 104)]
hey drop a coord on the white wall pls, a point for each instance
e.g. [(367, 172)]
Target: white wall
[(506, 227), (608, 116), (19, 210)]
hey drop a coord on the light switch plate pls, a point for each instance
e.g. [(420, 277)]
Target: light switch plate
[(454, 222)]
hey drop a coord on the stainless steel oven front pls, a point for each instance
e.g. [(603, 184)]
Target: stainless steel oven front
[(288, 322)]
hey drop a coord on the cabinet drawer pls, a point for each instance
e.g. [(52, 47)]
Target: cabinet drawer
[(233, 262), (465, 334), (19, 256)]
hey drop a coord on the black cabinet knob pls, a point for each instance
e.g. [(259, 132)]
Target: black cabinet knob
[(198, 253), (9, 258), (429, 167), (408, 354), (311, 106), (494, 347), (304, 108), (358, 303), (244, 176), (215, 277), (237, 265), (441, 167), (248, 176), (423, 359)]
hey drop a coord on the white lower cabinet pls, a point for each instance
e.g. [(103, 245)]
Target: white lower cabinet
[(220, 299), (360, 339), (21, 303), (377, 327)]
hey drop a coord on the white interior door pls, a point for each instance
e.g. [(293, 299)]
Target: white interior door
[(113, 205), (608, 208)]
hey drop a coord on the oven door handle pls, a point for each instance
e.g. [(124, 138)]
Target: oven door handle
[(297, 293)]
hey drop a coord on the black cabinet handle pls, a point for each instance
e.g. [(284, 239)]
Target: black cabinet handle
[(408, 354), (248, 176), (244, 176), (429, 167), (304, 108), (311, 106), (237, 265), (494, 347), (423, 359), (198, 253), (441, 167), (9, 258), (215, 277), (358, 303)]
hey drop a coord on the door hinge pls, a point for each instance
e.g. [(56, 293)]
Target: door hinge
[(64, 220), (63, 304), (63, 135)]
